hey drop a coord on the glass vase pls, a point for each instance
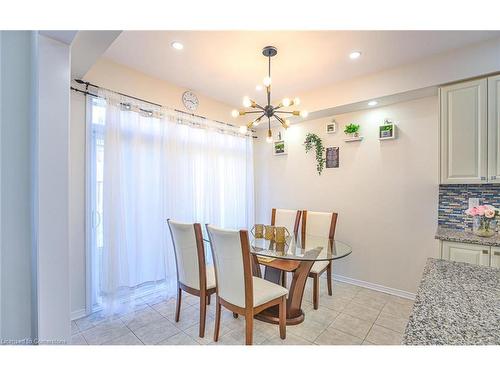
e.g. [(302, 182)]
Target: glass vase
[(484, 227)]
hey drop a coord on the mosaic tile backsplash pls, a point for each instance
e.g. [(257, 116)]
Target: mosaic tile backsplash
[(454, 200)]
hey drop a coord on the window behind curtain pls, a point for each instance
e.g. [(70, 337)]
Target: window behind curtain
[(165, 169)]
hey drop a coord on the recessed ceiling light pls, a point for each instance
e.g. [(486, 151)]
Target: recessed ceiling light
[(372, 103), (177, 45), (258, 87), (354, 55)]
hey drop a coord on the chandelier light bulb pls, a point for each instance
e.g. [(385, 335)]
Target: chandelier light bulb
[(287, 122), (243, 129), (247, 102), (267, 81), (304, 114), (269, 138), (296, 101), (235, 113), (286, 102)]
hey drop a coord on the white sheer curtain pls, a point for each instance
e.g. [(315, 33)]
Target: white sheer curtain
[(159, 165)]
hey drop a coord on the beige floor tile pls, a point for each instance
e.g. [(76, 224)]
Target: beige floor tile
[(334, 302), (335, 337), (374, 294), (323, 315), (140, 318), (155, 332), (290, 339), (401, 300), (179, 339), (361, 311), (167, 308), (237, 336), (101, 334), (155, 298), (383, 336), (193, 331), (352, 325), (78, 339), (397, 309), (187, 318), (308, 329), (128, 339), (366, 300), (393, 322), (367, 343)]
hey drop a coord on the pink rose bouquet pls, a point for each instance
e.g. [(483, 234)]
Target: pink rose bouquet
[(484, 223)]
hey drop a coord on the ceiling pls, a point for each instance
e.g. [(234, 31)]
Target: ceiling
[(226, 65)]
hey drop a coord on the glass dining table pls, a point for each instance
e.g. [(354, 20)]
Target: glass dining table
[(297, 255)]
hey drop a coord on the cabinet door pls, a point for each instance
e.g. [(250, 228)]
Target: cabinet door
[(494, 129), (467, 253), (495, 257), (463, 124)]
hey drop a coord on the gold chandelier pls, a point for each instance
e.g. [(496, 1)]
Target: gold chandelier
[(268, 110)]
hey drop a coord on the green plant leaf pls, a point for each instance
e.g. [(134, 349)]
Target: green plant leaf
[(312, 140)]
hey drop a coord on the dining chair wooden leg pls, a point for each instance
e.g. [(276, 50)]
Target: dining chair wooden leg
[(178, 304), (282, 316), (249, 328), (203, 312), (217, 319), (315, 291), (208, 299), (329, 278)]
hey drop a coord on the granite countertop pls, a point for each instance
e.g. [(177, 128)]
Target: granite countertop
[(456, 235), (456, 304)]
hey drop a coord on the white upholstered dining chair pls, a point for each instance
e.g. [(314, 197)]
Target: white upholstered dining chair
[(237, 289), (193, 274), (290, 219), (320, 224)]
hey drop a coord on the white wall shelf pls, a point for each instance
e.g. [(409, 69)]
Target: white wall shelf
[(353, 139)]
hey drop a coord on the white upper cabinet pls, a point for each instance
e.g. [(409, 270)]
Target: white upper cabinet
[(464, 140), (494, 129)]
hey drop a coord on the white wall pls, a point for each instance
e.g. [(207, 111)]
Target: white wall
[(385, 192), (16, 194), (52, 181)]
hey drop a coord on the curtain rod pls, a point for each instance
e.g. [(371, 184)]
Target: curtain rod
[(86, 92)]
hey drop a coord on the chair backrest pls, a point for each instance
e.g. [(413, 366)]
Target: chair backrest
[(189, 253), (320, 224), (289, 219), (233, 272)]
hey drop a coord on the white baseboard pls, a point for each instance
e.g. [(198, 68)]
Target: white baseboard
[(377, 287), (78, 314)]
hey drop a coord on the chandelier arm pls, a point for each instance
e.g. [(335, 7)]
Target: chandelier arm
[(259, 106), (248, 112), (279, 119), (259, 118), (288, 112)]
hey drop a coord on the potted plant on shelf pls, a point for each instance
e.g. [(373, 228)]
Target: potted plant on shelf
[(484, 221), (352, 130)]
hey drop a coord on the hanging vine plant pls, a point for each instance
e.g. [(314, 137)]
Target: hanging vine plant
[(312, 140)]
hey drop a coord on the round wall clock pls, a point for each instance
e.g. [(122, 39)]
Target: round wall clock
[(190, 100)]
